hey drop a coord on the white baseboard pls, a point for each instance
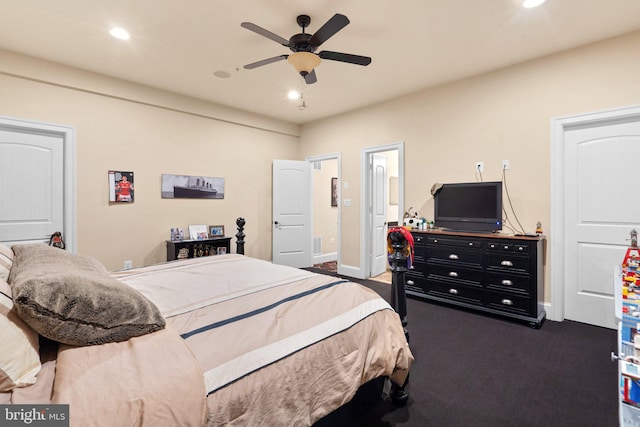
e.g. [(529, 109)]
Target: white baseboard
[(550, 314), (350, 271), (319, 259)]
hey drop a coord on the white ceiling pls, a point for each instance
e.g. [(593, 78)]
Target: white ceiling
[(415, 44)]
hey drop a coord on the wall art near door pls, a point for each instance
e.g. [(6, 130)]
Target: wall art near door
[(334, 191), (192, 187), (121, 187)]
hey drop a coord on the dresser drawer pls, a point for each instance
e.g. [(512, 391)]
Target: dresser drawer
[(415, 284), (416, 271), (455, 256), (452, 273), (521, 248), (507, 262), (455, 291), (419, 254), (508, 282), (419, 239), (507, 302), (460, 243)]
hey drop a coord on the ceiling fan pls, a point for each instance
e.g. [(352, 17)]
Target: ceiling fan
[(304, 45)]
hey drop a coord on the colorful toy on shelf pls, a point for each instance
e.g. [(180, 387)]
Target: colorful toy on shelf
[(630, 331)]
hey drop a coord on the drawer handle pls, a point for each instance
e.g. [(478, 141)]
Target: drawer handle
[(453, 291), (453, 274), (410, 282), (453, 256), (507, 282), (507, 302), (506, 263)]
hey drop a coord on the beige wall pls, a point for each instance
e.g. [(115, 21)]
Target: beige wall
[(129, 127), (499, 115)]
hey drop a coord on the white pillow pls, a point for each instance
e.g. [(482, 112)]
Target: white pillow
[(6, 260), (19, 357)]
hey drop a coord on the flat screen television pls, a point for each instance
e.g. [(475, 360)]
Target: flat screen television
[(469, 206)]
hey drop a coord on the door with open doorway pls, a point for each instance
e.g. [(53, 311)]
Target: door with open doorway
[(325, 217), (375, 200), (601, 209), (378, 214)]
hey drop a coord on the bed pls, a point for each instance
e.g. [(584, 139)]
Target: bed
[(221, 340)]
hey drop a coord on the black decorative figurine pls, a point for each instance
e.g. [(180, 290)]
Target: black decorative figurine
[(240, 222)]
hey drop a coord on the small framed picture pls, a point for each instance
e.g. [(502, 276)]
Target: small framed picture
[(216, 231), (198, 232), (334, 192), (177, 234), (120, 187), (221, 250)]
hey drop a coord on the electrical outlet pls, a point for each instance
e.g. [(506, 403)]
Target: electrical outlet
[(128, 264), (479, 166), (505, 165)]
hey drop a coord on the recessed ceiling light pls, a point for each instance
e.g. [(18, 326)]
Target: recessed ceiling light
[(532, 3), (293, 94), (119, 33), (221, 74)]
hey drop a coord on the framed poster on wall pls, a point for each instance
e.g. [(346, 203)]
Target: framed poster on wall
[(121, 187)]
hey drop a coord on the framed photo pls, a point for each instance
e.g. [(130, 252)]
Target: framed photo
[(120, 187), (177, 235), (192, 187), (216, 231), (334, 191), (221, 250), (198, 232)]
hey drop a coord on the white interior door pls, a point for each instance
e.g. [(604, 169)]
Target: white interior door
[(378, 215), (601, 209), (291, 213), (31, 185)]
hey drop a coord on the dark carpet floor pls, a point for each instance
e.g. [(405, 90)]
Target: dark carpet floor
[(473, 369)]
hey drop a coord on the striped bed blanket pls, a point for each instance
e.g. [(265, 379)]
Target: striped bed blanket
[(273, 345)]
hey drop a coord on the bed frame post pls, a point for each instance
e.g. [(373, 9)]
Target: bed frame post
[(240, 222), (398, 261)]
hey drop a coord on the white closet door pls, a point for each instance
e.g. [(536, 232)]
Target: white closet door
[(31, 185), (601, 210), (292, 213)]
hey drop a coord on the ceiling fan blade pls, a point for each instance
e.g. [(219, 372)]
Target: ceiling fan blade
[(332, 26), (265, 62), (345, 57), (311, 77), (265, 33)]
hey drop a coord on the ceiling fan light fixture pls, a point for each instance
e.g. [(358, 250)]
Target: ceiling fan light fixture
[(119, 33), (532, 3), (304, 62), (293, 94)]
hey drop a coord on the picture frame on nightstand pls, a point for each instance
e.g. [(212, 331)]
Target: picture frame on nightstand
[(216, 231), (198, 232)]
